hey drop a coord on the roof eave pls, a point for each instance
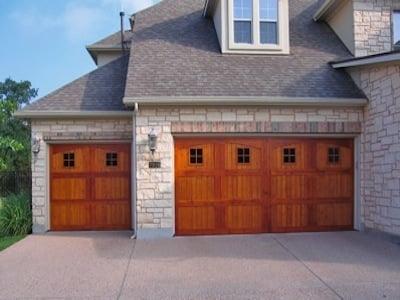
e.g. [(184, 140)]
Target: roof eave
[(261, 100), (30, 114), (94, 50), (384, 58)]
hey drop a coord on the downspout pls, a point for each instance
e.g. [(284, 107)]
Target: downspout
[(134, 171)]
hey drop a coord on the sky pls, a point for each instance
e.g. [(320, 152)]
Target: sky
[(44, 41)]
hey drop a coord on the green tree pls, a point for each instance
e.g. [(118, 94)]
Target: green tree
[(14, 133)]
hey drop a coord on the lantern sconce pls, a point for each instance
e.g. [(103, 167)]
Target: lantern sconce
[(36, 145), (152, 141)]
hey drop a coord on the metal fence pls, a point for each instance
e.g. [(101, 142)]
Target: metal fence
[(15, 182)]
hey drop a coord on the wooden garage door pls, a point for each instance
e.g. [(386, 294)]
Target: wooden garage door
[(90, 187), (253, 185)]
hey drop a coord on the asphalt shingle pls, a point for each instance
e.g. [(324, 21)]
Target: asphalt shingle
[(175, 52), (100, 90)]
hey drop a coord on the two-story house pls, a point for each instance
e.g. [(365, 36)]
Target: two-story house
[(228, 116)]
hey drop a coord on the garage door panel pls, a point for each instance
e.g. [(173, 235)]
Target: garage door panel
[(243, 156), (111, 158), (288, 156), (333, 186), (290, 216), (244, 218), (289, 187), (195, 189), (69, 188), (68, 215), (195, 157), (334, 156), (196, 219), (242, 188), (108, 215), (70, 159), (112, 188), (334, 214)]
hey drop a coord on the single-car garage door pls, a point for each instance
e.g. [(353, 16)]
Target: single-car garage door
[(90, 187), (254, 185)]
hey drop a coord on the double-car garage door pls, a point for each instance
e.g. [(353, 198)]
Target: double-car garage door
[(254, 185)]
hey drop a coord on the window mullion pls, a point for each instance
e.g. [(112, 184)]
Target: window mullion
[(256, 22)]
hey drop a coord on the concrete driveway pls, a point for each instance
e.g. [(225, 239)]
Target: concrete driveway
[(346, 265)]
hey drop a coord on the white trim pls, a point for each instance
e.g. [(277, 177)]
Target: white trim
[(77, 114), (261, 100), (368, 60), (257, 47), (47, 187), (134, 188), (112, 48), (321, 12), (259, 135), (357, 184)]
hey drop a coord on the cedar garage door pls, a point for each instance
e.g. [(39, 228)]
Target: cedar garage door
[(90, 187), (254, 185)]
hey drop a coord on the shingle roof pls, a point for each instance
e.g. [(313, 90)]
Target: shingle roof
[(100, 90), (175, 52)]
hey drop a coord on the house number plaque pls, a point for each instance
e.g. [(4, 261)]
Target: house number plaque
[(155, 164)]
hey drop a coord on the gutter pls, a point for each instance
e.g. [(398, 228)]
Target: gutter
[(367, 60), (30, 114), (134, 172), (261, 100)]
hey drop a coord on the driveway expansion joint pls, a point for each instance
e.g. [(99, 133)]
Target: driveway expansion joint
[(126, 270), (308, 268)]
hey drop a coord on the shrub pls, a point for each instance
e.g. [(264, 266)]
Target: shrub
[(15, 215)]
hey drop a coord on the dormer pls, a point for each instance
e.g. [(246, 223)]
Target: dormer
[(251, 26)]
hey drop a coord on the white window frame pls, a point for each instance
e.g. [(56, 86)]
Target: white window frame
[(282, 47), (251, 20), (394, 12)]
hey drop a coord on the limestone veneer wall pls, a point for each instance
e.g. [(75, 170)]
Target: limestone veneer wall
[(373, 26), (380, 147), (155, 187)]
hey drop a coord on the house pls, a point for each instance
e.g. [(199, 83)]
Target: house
[(228, 116)]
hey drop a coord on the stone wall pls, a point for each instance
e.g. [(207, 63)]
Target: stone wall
[(372, 26), (65, 130), (155, 199), (380, 148)]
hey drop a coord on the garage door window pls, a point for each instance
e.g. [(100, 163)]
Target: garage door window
[(69, 160), (196, 156), (111, 159), (243, 155), (333, 155), (289, 155)]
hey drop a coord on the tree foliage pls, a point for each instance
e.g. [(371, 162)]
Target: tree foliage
[(14, 133)]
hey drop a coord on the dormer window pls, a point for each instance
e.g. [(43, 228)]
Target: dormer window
[(269, 21), (243, 17), (258, 26)]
